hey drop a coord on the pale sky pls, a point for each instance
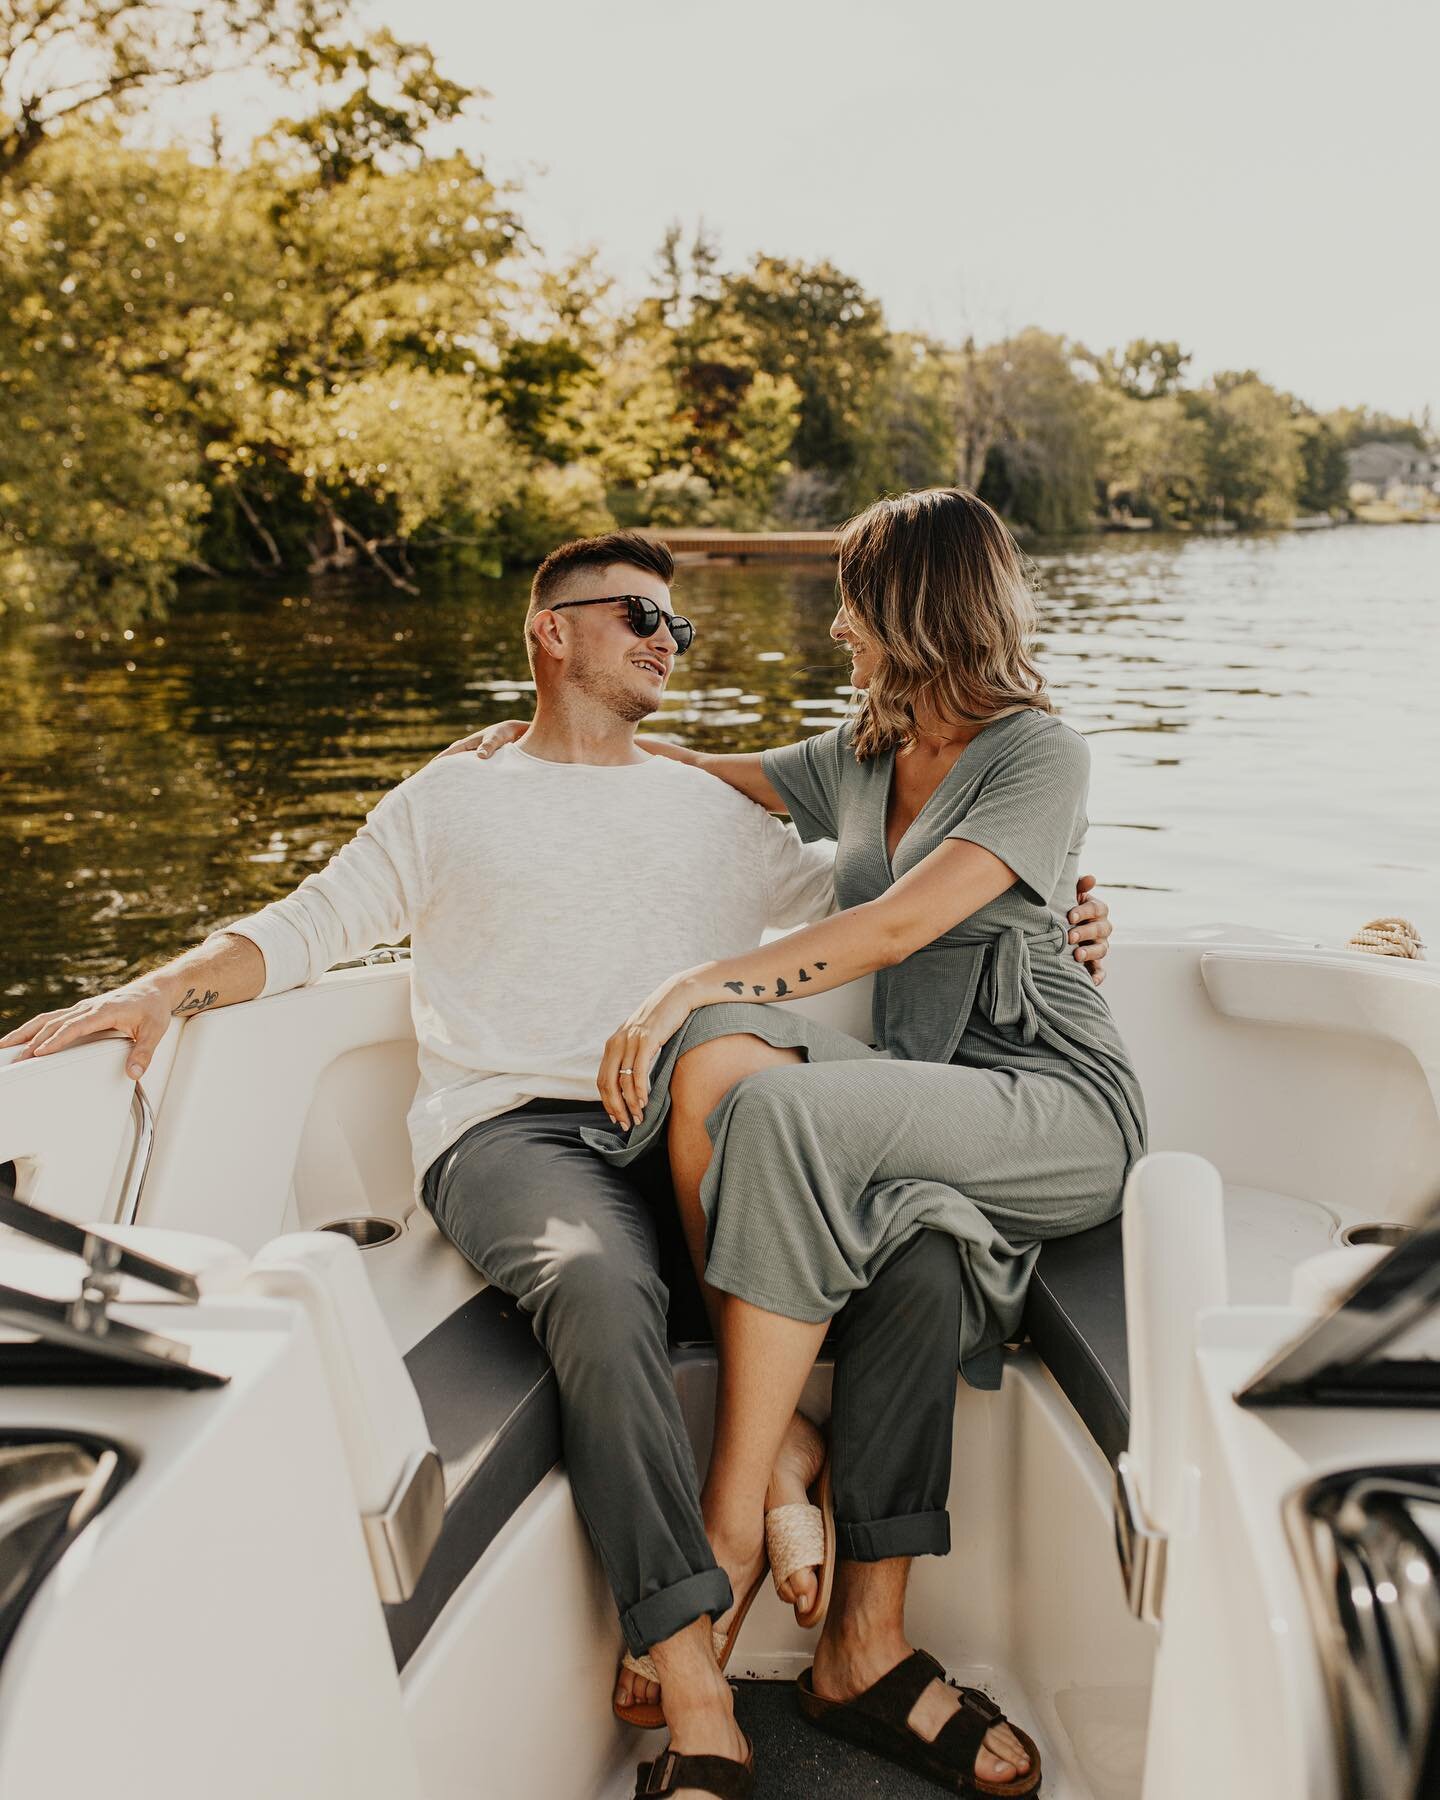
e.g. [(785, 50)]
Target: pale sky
[(1259, 180)]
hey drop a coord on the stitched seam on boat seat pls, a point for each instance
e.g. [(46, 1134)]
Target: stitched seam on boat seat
[(466, 1471), (1078, 1337)]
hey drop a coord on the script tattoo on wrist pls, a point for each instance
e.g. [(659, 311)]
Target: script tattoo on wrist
[(195, 1003)]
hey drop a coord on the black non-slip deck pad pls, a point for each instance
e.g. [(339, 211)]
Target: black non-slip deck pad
[(794, 1761)]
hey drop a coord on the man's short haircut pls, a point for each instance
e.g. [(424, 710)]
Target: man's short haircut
[(629, 547)]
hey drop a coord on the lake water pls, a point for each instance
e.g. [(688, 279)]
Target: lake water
[(1264, 714)]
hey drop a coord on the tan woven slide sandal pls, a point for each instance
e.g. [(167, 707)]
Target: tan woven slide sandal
[(803, 1537), (649, 1714)]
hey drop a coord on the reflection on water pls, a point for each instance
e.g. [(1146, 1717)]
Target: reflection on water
[(1262, 714)]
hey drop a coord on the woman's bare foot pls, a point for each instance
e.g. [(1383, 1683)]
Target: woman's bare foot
[(845, 1666), (742, 1563), (797, 1467), (633, 1690)]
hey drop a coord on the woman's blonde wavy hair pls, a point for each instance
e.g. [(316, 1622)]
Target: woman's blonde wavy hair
[(936, 584)]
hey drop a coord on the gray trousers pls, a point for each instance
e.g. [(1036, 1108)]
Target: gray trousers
[(579, 1245)]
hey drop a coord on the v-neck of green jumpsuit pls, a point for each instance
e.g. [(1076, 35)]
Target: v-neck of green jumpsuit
[(1002, 988)]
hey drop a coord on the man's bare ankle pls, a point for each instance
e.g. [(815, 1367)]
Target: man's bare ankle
[(855, 1641), (686, 1662), (855, 1622), (700, 1708), (703, 1699)]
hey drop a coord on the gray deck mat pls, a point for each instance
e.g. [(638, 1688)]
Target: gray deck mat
[(794, 1761)]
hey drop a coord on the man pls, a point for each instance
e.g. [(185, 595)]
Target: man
[(545, 892)]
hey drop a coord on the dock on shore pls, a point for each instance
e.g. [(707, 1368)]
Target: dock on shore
[(712, 545)]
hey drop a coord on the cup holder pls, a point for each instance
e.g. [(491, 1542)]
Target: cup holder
[(1385, 1235), (368, 1232)]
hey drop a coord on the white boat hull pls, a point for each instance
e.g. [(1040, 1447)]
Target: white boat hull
[(218, 1628)]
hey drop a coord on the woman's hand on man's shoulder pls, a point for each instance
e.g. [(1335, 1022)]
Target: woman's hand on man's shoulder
[(1090, 928), (486, 742)]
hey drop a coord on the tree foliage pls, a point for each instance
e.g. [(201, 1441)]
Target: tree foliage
[(1364, 425), (815, 327), (342, 352), (62, 61)]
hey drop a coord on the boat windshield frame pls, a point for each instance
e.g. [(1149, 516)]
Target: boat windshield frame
[(1339, 1360)]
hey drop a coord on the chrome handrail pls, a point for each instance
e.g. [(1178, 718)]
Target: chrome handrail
[(140, 1152), (144, 1145), (1367, 1544), (388, 953), (1141, 1546)]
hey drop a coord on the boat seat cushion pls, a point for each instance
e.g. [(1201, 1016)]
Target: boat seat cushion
[(1075, 1318), (488, 1395), (489, 1399)]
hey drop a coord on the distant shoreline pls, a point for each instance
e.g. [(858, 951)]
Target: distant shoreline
[(714, 545)]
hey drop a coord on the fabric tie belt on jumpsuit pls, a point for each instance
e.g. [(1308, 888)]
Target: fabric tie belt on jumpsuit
[(922, 1006)]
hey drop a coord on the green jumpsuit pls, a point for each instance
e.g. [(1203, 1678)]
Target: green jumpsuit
[(997, 1102)]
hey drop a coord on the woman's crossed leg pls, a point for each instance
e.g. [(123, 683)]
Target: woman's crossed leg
[(760, 1455)]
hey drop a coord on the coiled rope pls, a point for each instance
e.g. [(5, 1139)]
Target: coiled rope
[(1389, 937)]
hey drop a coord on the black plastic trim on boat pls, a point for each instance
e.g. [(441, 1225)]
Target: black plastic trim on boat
[(1075, 1318), (49, 1532), (1339, 1359), (488, 1395)]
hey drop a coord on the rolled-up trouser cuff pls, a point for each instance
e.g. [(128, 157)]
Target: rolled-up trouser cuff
[(912, 1534), (659, 1616)]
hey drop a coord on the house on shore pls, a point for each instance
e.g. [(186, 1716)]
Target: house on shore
[(1394, 475)]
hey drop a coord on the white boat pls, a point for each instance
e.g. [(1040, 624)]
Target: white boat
[(302, 1528)]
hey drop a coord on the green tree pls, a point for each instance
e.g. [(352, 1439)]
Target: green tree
[(379, 99), (1147, 368), (736, 419), (303, 347), (1025, 411), (1252, 454), (1365, 425), (353, 401), (581, 378), (101, 489), (1324, 478), (906, 436), (1151, 442), (813, 325), (62, 61), (1152, 456), (975, 387)]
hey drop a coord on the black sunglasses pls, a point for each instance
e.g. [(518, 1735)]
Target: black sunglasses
[(644, 616)]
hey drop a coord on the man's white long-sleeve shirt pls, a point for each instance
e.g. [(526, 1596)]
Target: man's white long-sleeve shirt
[(543, 902)]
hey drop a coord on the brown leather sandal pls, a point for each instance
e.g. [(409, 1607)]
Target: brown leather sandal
[(721, 1776), (878, 1720), (649, 1715)]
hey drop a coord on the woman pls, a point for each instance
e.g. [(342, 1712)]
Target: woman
[(998, 1105)]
